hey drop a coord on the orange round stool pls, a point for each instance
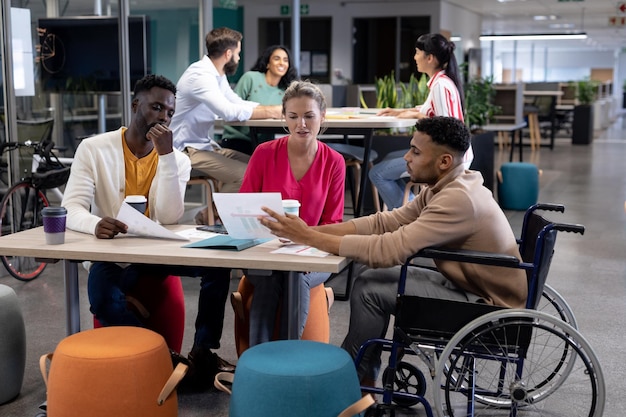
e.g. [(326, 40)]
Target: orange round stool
[(112, 371), (316, 328)]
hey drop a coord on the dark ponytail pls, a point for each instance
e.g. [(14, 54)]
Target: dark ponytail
[(443, 49)]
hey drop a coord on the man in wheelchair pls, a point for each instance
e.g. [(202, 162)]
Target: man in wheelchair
[(454, 210)]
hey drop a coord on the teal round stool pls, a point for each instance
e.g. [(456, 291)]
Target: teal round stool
[(12, 345), (518, 185), (296, 378)]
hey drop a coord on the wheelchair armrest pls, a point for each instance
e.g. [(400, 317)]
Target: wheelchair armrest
[(548, 207), (477, 257), (573, 228)]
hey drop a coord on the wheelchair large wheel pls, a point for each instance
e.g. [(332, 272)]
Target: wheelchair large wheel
[(513, 360), (554, 304), (408, 379)]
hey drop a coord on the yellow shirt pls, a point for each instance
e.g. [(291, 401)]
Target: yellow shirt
[(139, 172)]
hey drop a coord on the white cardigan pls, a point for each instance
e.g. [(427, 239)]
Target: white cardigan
[(96, 187)]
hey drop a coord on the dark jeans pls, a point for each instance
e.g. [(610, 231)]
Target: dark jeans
[(108, 283)]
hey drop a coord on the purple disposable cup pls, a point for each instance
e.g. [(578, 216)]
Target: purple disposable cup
[(54, 224)]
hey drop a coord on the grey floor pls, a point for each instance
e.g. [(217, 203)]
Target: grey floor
[(589, 271)]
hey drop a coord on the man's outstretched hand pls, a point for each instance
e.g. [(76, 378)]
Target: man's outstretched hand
[(288, 226)]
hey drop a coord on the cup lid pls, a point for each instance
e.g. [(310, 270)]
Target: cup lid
[(291, 203), (53, 211), (135, 199)]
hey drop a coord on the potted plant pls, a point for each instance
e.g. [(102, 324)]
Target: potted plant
[(394, 94), (479, 106), (624, 95), (582, 123), (479, 110)]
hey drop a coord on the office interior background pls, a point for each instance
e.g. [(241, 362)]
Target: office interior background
[(341, 42), (353, 41)]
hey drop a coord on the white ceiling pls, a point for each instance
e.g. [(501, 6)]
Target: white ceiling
[(516, 16), (499, 16)]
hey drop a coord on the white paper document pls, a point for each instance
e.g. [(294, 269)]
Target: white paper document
[(140, 225), (301, 250), (240, 211)]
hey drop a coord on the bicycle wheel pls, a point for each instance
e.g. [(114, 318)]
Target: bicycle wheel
[(20, 210)]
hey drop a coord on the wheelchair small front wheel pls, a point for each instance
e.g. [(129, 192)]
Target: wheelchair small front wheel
[(408, 379)]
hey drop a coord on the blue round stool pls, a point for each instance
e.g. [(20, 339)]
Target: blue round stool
[(296, 378), (518, 185), (12, 345)]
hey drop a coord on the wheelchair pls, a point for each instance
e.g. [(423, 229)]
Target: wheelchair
[(486, 360)]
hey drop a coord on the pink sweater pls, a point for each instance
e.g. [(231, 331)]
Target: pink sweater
[(320, 191)]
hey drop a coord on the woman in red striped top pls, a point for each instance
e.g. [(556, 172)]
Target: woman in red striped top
[(434, 55)]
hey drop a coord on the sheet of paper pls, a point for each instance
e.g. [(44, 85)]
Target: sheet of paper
[(301, 250), (140, 225), (239, 212), (193, 233)]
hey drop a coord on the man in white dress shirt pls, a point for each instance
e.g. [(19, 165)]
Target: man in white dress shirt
[(204, 94)]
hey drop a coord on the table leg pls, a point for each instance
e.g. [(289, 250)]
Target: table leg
[(512, 145), (367, 145), (552, 122), (254, 137), (293, 305), (521, 146), (72, 301)]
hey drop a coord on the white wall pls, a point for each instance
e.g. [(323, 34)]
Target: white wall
[(561, 65), (620, 74), (558, 65), (548, 64), (463, 23), (341, 52)]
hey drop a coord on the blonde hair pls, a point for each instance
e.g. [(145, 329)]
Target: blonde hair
[(304, 89)]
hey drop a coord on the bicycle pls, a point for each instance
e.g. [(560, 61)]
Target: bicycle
[(20, 208)]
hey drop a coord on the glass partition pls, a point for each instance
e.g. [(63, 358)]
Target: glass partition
[(172, 39)]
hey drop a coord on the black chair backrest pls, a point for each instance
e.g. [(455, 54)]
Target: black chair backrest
[(483, 146), (544, 106), (35, 130), (537, 247)]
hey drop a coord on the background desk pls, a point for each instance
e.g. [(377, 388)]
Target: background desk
[(552, 115), (512, 128), (361, 125), (83, 247)]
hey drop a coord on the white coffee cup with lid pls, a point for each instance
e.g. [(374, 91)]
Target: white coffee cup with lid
[(138, 202), (291, 207)]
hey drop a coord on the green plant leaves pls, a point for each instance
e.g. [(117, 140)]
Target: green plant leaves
[(586, 91), (479, 107), (390, 93)]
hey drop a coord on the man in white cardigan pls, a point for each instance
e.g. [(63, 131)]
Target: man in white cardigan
[(141, 160)]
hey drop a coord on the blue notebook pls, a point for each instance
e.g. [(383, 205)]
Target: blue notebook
[(225, 242)]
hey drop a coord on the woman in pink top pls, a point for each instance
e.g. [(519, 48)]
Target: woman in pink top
[(434, 56), (302, 168)]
